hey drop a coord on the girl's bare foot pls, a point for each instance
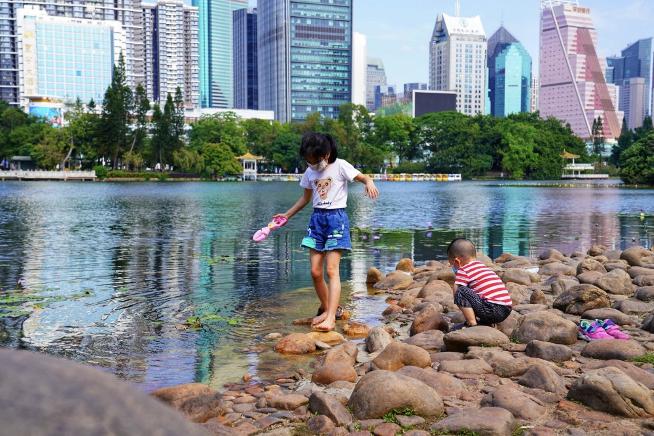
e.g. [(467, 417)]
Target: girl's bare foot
[(318, 319), (326, 326)]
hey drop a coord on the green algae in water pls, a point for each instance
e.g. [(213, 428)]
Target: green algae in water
[(17, 303), (212, 321)]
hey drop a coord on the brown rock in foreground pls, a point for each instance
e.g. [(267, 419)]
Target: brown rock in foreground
[(492, 421), (398, 354), (296, 343), (480, 335)]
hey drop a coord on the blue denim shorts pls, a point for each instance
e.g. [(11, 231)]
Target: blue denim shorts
[(329, 229)]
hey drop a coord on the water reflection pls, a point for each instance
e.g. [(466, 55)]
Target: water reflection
[(112, 271)]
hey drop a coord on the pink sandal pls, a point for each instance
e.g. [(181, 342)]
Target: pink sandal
[(277, 222), (613, 329)]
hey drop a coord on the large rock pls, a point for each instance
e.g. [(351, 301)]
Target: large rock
[(467, 366), (436, 288), (644, 280), (636, 373), (395, 280), (487, 421), (381, 391), (637, 271), (519, 276), (355, 329), (638, 256), (378, 339), (581, 298), (543, 377), (545, 326), (460, 340), (616, 282), (346, 352), (502, 362), (331, 338), (431, 340), (296, 343), (320, 424), (521, 405), (645, 293), (551, 254), (561, 285), (43, 395), (633, 307), (443, 383), (590, 264), (334, 371), (596, 250), (648, 323), (607, 349), (548, 351), (556, 269), (405, 265), (196, 401), (374, 276), (329, 406), (611, 390), (398, 354), (519, 293), (429, 318), (590, 277), (609, 313), (511, 323), (287, 402)]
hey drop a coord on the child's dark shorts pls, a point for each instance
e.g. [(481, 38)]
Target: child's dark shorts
[(488, 313), (329, 229)]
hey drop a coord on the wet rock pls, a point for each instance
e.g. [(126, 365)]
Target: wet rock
[(538, 297), (296, 343), (398, 354), (346, 352), (392, 309), (596, 250), (436, 288), (544, 326), (443, 383), (287, 402), (196, 401), (387, 429), (645, 293), (589, 277), (607, 349), (487, 421), (405, 265), (329, 406), (355, 329), (590, 264), (616, 282), (543, 377), (331, 338), (335, 371), (581, 298), (429, 318), (395, 280), (609, 313), (466, 366), (548, 351), (648, 323), (633, 307), (381, 391), (460, 340), (519, 276), (320, 424), (374, 276), (551, 254), (378, 339), (561, 285), (636, 373), (272, 336), (611, 390), (521, 405), (556, 269), (407, 301), (637, 256), (431, 340)]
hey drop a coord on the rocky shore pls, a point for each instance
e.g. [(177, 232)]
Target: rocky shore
[(529, 376)]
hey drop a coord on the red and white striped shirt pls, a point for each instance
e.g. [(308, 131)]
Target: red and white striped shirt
[(484, 282)]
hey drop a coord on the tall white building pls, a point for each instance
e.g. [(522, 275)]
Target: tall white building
[(359, 68), (375, 76), (535, 91), (171, 51), (457, 61)]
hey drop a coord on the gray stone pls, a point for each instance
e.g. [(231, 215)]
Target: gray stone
[(556, 269), (636, 373), (378, 339), (329, 406), (443, 383), (648, 323), (548, 351), (545, 326), (543, 377), (645, 293), (320, 424), (633, 307), (616, 282), (398, 354), (431, 340), (521, 405), (609, 313), (590, 264), (487, 421), (580, 299), (607, 349), (466, 366), (519, 276), (409, 421), (460, 340)]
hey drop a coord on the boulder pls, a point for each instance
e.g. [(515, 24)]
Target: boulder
[(519, 293), (590, 264), (502, 362), (609, 313), (551, 254), (398, 354), (611, 390), (437, 288), (504, 257), (329, 406), (334, 371), (509, 325), (561, 285), (645, 293), (374, 276), (589, 277), (545, 326), (521, 405), (405, 265), (636, 271), (518, 262), (466, 366), (296, 343), (487, 421), (633, 307), (381, 391), (355, 329), (581, 298), (431, 340), (479, 335), (596, 250), (407, 301), (443, 383), (616, 282), (519, 276), (392, 309), (607, 349), (320, 424), (648, 323), (331, 338), (543, 377), (287, 401), (616, 264), (556, 269), (538, 297), (548, 351), (644, 280), (196, 401), (429, 318), (637, 256), (395, 280), (636, 373), (378, 339), (346, 352)]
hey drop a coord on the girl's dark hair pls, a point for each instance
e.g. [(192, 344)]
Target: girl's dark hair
[(318, 145)]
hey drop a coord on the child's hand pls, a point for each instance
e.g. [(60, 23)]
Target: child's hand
[(371, 190), (281, 215)]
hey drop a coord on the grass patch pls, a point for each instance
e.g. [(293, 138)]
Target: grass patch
[(391, 416), (645, 358)]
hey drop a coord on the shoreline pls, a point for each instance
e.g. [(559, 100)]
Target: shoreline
[(531, 375)]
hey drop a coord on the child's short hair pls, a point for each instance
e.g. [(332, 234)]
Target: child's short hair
[(461, 247), (317, 145)]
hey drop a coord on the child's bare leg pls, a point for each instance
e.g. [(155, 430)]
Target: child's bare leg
[(333, 260), (469, 315), (317, 260)]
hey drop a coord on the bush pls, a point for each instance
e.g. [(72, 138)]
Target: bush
[(100, 171)]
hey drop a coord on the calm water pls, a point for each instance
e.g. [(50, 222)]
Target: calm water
[(111, 271)]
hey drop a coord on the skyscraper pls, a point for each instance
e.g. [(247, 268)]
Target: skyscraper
[(171, 50), (359, 68), (572, 84), (246, 86), (385, 95), (216, 51), (410, 87), (509, 75), (126, 12), (535, 91), (457, 61), (305, 57), (376, 76), (634, 63)]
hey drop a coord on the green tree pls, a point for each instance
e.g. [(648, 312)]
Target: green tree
[(638, 162), (222, 128), (624, 141), (220, 161), (116, 109), (188, 160), (160, 135), (178, 115), (397, 133), (53, 149), (598, 138), (141, 108)]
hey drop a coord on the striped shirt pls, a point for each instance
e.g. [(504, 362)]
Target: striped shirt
[(484, 282)]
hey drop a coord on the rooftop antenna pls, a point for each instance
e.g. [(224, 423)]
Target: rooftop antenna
[(458, 8)]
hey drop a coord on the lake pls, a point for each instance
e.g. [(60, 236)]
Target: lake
[(110, 272)]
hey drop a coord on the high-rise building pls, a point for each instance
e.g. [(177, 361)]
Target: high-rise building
[(305, 57), (246, 81), (375, 76), (535, 89), (171, 51), (385, 95), (410, 87), (359, 68), (509, 75), (216, 51), (572, 83), (127, 12), (65, 58), (624, 71), (457, 61)]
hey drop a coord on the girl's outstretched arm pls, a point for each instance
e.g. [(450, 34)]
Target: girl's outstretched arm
[(370, 188), (299, 204)]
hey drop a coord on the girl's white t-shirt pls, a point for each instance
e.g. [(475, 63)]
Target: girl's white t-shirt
[(330, 185)]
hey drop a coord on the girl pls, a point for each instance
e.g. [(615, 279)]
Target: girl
[(325, 183)]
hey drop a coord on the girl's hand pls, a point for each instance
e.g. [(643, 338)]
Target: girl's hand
[(371, 190), (281, 214)]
